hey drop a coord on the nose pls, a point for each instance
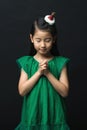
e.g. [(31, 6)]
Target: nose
[(43, 44)]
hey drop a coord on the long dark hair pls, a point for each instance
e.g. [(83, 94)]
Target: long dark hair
[(42, 25)]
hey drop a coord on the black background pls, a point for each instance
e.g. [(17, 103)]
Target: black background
[(15, 20)]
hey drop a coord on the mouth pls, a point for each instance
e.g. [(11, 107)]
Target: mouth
[(43, 50)]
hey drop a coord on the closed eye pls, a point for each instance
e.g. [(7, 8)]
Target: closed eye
[(48, 40), (38, 39)]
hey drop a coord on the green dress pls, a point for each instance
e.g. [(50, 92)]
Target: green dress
[(43, 107)]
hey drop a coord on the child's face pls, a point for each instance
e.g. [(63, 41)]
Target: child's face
[(42, 41)]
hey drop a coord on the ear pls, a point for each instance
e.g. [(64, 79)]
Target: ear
[(31, 38), (54, 39)]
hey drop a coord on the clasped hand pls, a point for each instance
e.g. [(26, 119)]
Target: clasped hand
[(43, 67)]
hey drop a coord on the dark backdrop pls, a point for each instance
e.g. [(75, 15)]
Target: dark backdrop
[(15, 20)]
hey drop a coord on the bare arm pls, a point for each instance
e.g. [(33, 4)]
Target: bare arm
[(61, 85), (25, 84)]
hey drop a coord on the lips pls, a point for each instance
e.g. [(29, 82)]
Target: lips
[(42, 49)]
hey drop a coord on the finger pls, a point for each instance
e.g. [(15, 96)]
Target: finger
[(44, 68), (43, 62), (44, 65)]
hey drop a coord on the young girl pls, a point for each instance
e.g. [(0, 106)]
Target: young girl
[(43, 80)]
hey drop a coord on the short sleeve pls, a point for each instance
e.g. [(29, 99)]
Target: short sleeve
[(22, 63), (62, 61)]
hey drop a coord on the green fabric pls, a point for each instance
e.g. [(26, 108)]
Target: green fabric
[(43, 107)]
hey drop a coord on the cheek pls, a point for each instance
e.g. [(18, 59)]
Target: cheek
[(35, 45), (50, 45)]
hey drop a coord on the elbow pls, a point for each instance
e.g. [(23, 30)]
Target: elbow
[(21, 91), (65, 93)]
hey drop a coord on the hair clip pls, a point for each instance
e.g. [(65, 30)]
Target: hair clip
[(50, 19)]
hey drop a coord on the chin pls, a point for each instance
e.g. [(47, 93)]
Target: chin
[(43, 52)]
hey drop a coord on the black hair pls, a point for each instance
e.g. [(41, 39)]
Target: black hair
[(41, 24)]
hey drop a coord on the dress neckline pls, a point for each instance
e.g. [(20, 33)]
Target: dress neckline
[(48, 60)]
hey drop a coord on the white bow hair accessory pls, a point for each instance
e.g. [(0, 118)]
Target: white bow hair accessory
[(50, 19)]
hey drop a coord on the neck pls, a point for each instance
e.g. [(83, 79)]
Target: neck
[(43, 57)]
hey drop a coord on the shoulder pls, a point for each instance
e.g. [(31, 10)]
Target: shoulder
[(61, 62), (24, 62), (62, 59), (24, 59)]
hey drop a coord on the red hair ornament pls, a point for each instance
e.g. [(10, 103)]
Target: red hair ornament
[(50, 19)]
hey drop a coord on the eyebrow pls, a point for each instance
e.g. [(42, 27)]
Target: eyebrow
[(37, 38), (44, 38)]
